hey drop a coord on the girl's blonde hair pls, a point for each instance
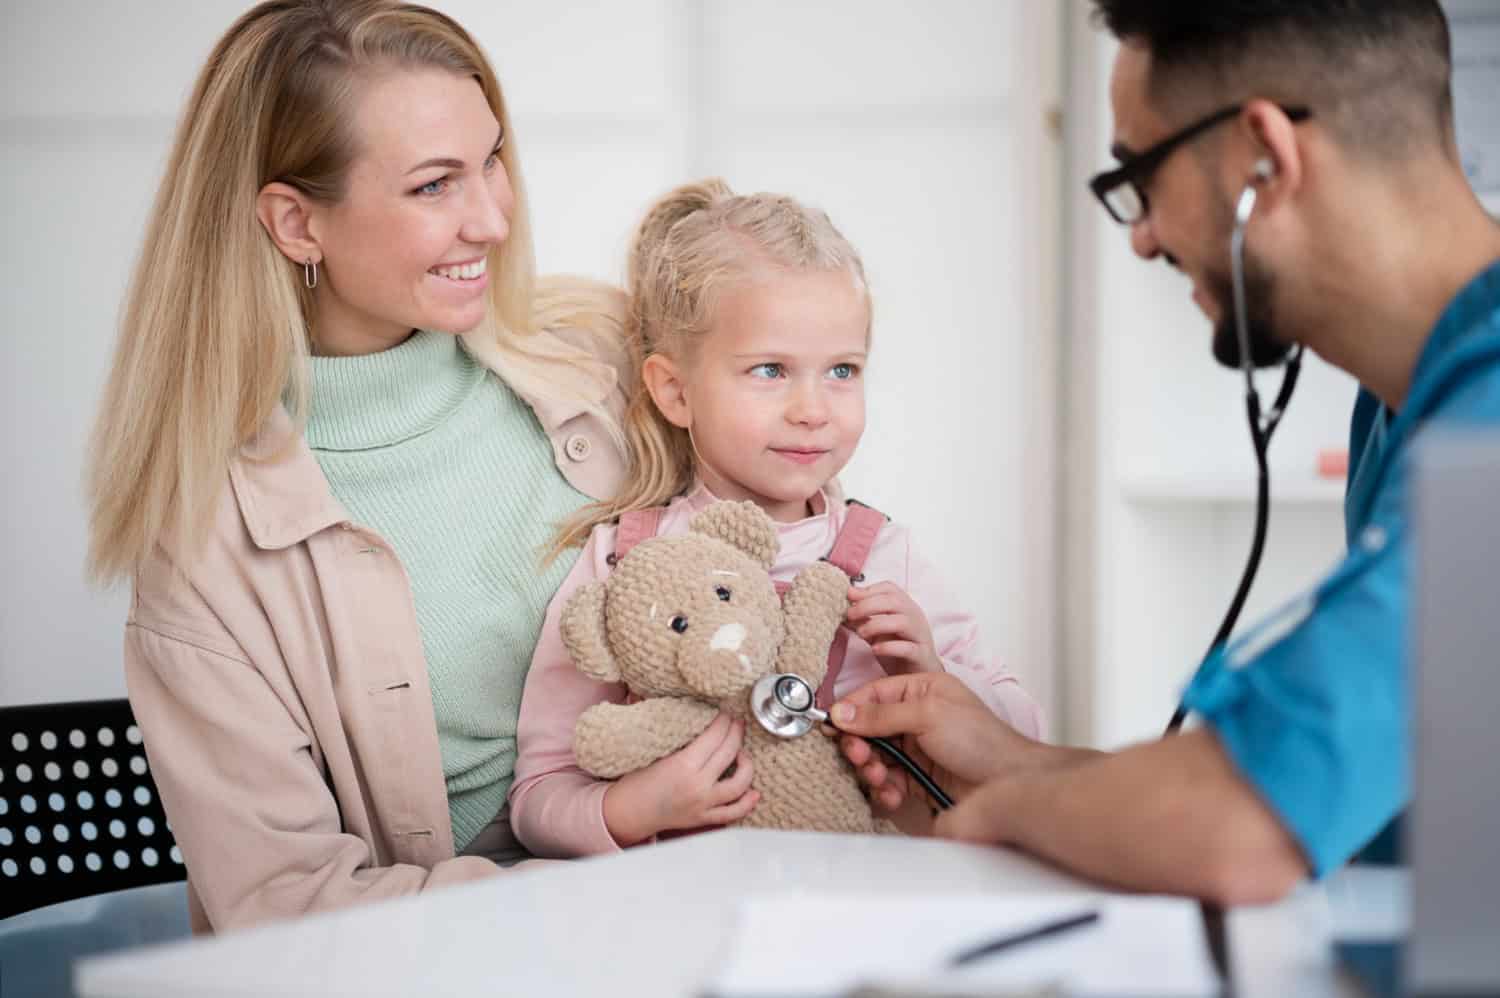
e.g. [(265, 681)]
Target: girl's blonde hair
[(216, 323), (695, 242)]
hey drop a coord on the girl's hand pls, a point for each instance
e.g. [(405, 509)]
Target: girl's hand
[(895, 627), (687, 789)]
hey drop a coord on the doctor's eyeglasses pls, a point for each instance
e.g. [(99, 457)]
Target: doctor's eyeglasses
[(1122, 190)]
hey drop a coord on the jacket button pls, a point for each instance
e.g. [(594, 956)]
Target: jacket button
[(578, 447)]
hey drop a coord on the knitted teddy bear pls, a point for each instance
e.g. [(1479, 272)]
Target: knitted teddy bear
[(689, 623)]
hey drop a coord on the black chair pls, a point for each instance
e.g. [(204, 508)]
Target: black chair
[(79, 814)]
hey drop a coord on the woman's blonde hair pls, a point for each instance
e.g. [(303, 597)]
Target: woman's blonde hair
[(695, 242), (216, 323)]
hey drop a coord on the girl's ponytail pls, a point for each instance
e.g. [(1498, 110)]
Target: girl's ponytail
[(660, 454)]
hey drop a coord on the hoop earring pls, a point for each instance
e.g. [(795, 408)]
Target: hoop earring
[(310, 273)]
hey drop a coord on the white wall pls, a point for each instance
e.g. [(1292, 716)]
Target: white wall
[(921, 128)]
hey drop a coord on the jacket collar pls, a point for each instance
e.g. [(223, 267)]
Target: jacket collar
[(551, 413), (283, 496)]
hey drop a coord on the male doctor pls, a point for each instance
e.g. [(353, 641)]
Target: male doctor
[(1367, 246)]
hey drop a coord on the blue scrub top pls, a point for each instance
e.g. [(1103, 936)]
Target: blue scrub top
[(1312, 703)]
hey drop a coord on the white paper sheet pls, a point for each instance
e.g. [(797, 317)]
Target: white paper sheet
[(820, 944), (1369, 903)]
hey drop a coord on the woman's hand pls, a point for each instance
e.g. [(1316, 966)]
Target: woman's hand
[(942, 725), (687, 789), (895, 627)]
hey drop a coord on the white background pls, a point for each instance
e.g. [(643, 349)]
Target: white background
[(920, 128), (1044, 409)]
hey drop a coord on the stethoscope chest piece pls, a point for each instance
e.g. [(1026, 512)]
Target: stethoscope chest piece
[(783, 704)]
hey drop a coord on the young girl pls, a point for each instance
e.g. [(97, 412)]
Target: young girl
[(752, 321)]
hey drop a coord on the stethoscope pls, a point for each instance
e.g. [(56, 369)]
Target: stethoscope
[(783, 704), (1261, 428)]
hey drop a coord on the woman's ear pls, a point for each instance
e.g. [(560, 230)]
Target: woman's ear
[(285, 213), (664, 381)]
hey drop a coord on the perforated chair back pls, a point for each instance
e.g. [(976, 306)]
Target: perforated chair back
[(79, 814)]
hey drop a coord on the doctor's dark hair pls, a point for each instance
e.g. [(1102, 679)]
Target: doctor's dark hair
[(1376, 72)]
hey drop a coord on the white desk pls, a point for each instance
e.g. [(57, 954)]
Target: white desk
[(649, 922)]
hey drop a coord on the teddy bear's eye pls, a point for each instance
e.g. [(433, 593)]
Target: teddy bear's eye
[(722, 593), (678, 623)]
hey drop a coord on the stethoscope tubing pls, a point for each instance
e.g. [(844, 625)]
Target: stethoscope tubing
[(1261, 430), (941, 799)]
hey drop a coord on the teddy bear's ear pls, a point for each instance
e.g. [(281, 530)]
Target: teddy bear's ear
[(743, 525), (584, 635)]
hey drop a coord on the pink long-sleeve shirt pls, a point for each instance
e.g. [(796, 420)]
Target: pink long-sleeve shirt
[(557, 810)]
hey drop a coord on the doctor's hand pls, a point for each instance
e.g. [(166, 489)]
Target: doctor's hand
[(687, 789), (895, 627), (941, 724)]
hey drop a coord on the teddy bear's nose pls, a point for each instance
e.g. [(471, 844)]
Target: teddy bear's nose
[(728, 637)]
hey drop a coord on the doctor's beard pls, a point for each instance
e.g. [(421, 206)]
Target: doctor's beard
[(1266, 348)]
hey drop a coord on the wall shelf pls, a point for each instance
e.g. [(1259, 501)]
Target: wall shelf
[(1165, 489)]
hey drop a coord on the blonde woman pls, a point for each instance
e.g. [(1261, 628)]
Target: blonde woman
[(341, 426), (752, 320)]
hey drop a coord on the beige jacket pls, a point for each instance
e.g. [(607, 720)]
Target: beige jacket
[(278, 677)]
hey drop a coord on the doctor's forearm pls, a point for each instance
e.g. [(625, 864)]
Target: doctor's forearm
[(1170, 816)]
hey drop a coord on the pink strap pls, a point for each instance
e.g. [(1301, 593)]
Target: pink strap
[(851, 549), (636, 525), (836, 653)]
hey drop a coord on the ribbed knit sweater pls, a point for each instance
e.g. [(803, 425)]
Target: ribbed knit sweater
[(439, 457)]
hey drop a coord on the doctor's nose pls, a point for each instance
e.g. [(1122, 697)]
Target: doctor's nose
[(1143, 239)]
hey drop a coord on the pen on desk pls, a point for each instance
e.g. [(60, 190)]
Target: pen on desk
[(981, 950)]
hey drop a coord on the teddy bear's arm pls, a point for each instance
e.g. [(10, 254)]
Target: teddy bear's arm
[(613, 739), (815, 605)]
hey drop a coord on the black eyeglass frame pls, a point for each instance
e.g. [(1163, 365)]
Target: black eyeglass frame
[(1138, 169)]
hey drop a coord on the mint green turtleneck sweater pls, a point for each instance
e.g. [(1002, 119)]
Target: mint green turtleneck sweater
[(432, 452)]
